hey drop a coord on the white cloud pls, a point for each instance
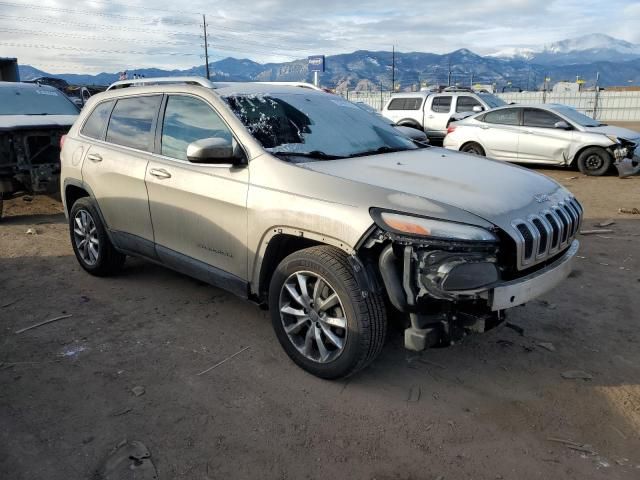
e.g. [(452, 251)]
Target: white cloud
[(91, 36)]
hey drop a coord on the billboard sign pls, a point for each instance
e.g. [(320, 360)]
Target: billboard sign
[(316, 63)]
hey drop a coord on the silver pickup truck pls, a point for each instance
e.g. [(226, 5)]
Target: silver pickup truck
[(314, 208)]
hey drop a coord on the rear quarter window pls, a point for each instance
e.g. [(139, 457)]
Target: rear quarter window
[(412, 103), (96, 123), (132, 121)]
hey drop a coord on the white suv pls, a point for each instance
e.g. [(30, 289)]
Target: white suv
[(432, 112)]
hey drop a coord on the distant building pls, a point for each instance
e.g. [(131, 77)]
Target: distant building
[(9, 70), (567, 87)]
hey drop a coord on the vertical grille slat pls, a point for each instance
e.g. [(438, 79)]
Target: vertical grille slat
[(528, 239), (543, 234), (555, 227), (542, 246)]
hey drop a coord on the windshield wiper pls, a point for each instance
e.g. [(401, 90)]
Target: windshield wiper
[(316, 154), (384, 149)]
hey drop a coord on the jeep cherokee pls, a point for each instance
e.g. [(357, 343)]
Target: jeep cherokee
[(305, 203)]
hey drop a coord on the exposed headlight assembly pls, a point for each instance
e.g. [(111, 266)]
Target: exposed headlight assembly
[(431, 228)]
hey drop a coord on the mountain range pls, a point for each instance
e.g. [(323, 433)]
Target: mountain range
[(617, 62)]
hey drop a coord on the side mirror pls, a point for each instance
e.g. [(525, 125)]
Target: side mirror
[(213, 150), (478, 108), (562, 125)]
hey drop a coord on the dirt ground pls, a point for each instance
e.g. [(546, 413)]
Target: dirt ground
[(495, 406)]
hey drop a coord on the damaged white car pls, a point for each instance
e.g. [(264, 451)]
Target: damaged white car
[(546, 134), (33, 119)]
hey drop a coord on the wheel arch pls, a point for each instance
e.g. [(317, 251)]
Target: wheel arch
[(278, 243), (409, 122), (468, 142), (582, 148)]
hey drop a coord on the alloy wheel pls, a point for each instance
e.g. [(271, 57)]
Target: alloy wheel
[(85, 236), (313, 316)]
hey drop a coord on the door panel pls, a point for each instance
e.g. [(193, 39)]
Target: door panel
[(198, 210), (437, 113), (500, 141), (540, 142), (500, 133), (115, 169), (116, 177)]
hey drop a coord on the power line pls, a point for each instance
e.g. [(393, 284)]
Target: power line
[(131, 52), (103, 27), (85, 50), (84, 37), (84, 13)]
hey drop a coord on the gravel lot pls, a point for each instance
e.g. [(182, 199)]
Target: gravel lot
[(487, 408)]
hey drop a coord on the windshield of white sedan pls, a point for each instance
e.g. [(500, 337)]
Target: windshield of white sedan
[(316, 126), (577, 117), (35, 101)]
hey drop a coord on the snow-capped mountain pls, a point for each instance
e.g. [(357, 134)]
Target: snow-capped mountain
[(595, 47)]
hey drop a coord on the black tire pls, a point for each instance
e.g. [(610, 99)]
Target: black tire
[(365, 316), (108, 260), (1, 206), (594, 161), (473, 148)]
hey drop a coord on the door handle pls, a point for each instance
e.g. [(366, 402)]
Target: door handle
[(159, 173), (528, 132), (95, 157), (484, 127)]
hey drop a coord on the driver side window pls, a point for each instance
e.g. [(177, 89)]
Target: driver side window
[(187, 119)]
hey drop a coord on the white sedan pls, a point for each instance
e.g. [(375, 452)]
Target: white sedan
[(547, 134)]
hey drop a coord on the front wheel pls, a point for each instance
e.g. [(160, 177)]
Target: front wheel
[(594, 161), (320, 315), (90, 241)]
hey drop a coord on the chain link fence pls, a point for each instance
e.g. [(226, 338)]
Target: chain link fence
[(603, 105)]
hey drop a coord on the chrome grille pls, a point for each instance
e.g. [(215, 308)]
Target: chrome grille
[(544, 234)]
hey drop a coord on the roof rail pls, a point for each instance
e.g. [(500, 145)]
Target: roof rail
[(138, 82)]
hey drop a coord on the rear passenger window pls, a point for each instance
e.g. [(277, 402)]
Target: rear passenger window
[(507, 116), (132, 120), (97, 120), (539, 118), (187, 119), (441, 104), (412, 103)]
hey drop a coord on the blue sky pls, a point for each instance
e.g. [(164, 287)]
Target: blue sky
[(92, 36)]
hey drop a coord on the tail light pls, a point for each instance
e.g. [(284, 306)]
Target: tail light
[(450, 129), (62, 139)]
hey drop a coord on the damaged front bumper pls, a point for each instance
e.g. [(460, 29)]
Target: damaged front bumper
[(449, 292), (627, 162)]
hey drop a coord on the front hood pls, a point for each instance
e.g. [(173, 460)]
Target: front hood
[(613, 130), (19, 122), (495, 191)]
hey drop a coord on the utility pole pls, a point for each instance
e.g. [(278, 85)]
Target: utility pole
[(597, 95), (449, 75), (393, 68), (206, 47)]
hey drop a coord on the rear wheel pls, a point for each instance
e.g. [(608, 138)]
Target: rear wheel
[(594, 161), (474, 148), (320, 316), (90, 241)]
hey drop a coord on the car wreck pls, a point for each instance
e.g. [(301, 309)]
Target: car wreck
[(33, 120)]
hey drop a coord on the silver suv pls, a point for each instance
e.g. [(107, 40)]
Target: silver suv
[(314, 208)]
